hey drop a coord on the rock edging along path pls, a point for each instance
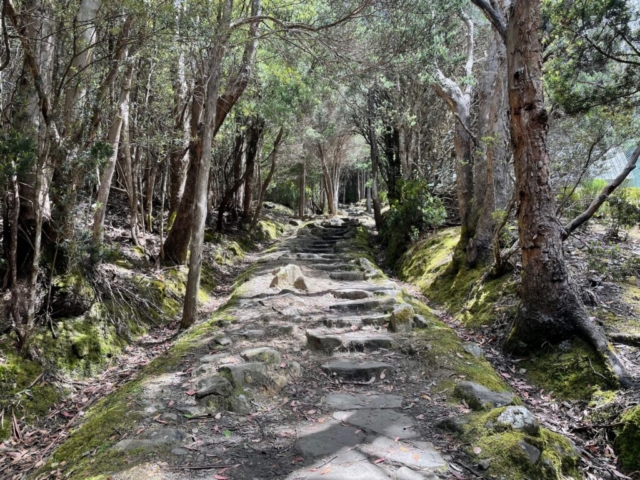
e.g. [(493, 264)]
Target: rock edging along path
[(319, 367)]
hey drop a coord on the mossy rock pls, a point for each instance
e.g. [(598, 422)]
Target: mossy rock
[(627, 441), (71, 296)]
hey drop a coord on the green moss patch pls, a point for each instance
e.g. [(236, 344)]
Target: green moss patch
[(627, 441), (514, 455), (572, 370), (466, 295)]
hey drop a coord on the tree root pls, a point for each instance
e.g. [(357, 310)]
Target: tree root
[(594, 335), (625, 339)]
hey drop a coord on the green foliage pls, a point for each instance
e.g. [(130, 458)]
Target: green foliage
[(593, 53), (17, 153), (622, 213), (416, 212)]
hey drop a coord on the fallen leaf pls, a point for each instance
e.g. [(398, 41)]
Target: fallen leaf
[(191, 393), (311, 412), (220, 477), (380, 460)]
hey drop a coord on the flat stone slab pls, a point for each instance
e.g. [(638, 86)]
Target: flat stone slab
[(345, 401), (384, 422), (419, 456), (349, 465), (327, 438), (356, 370), (479, 397)]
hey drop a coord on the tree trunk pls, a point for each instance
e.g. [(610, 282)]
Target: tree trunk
[(176, 246), (551, 309), (256, 130), (302, 185), (391, 140), (267, 181), (216, 54), (114, 140), (491, 191)]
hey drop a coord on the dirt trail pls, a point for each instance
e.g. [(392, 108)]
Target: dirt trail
[(315, 370)]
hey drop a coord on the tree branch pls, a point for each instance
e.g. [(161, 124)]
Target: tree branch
[(600, 199), (494, 17)]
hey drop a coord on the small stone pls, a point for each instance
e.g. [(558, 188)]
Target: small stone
[(420, 322), (215, 385), (401, 318), (479, 397), (531, 452), (519, 418), (484, 464), (262, 354), (453, 424), (474, 349), (169, 417), (239, 404), (179, 451), (224, 341), (294, 369)]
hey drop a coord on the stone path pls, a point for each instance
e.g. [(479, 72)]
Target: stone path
[(316, 372)]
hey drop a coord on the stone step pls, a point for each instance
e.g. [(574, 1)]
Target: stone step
[(363, 305), (356, 321), (330, 266), (318, 340), (351, 294), (347, 276), (357, 370)]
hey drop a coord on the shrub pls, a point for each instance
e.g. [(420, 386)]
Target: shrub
[(416, 212)]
